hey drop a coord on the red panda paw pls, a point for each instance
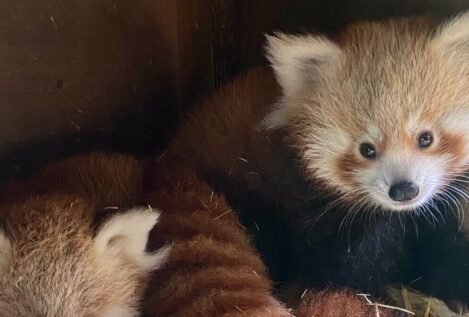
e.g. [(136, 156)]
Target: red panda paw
[(340, 303)]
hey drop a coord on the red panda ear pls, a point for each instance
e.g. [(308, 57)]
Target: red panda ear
[(299, 61), (126, 236), (452, 38)]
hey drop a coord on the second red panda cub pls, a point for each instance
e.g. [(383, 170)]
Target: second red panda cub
[(56, 260)]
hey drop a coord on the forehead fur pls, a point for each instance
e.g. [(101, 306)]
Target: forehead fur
[(38, 219), (391, 77)]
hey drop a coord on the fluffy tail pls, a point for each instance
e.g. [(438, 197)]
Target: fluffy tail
[(212, 269)]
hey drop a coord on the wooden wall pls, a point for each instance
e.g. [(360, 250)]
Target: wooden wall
[(87, 74)]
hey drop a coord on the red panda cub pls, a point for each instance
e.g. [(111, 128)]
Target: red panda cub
[(56, 261), (379, 117)]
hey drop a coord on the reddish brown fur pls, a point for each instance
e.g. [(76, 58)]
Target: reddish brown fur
[(339, 303), (348, 164), (106, 180), (222, 273), (49, 222), (452, 144), (62, 225), (212, 270), (224, 133)]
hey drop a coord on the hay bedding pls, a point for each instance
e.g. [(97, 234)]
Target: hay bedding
[(420, 304)]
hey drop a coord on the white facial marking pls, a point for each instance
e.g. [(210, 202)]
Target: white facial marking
[(425, 172), (375, 134)]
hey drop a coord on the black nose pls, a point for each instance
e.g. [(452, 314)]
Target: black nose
[(403, 191)]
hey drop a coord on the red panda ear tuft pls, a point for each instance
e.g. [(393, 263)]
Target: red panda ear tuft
[(126, 236), (299, 61), (452, 38)]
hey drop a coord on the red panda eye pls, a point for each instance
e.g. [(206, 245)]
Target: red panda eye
[(368, 151), (425, 139)]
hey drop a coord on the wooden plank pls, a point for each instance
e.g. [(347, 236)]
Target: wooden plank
[(76, 66)]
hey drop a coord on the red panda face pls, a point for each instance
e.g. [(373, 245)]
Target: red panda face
[(391, 165), (382, 120), (406, 172)]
